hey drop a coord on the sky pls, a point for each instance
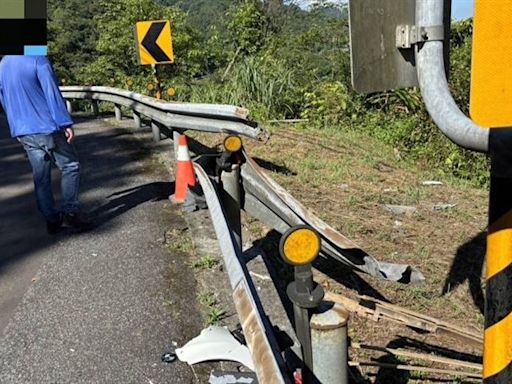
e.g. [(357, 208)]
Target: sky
[(461, 9)]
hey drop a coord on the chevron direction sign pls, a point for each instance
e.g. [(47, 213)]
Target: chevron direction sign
[(154, 42)]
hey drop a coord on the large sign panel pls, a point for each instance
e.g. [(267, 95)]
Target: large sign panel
[(379, 62), (491, 72)]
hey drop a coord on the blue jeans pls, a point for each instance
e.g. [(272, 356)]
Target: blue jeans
[(42, 151)]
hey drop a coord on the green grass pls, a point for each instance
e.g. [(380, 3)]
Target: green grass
[(205, 262), (183, 244), (213, 311)]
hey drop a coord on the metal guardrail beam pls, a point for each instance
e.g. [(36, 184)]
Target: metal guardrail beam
[(215, 118), (272, 204), (270, 367)]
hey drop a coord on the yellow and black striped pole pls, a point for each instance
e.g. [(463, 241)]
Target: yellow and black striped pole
[(498, 295)]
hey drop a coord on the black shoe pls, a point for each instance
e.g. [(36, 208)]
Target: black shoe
[(77, 221), (53, 227)]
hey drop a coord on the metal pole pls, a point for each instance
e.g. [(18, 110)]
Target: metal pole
[(157, 82), (304, 294), (137, 120), (231, 201), (155, 128), (434, 85), (117, 111), (330, 346), (498, 294)]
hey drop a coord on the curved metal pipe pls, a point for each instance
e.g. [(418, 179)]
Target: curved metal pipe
[(434, 86)]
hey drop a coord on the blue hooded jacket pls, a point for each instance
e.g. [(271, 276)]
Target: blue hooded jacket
[(30, 96)]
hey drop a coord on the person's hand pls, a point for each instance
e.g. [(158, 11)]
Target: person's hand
[(70, 135)]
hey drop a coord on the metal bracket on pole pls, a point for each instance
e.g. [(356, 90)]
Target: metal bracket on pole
[(409, 35)]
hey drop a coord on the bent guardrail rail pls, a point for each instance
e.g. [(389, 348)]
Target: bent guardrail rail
[(215, 118), (272, 204), (270, 367), (264, 198)]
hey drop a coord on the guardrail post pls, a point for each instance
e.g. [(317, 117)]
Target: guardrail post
[(155, 128), (175, 141), (69, 106), (231, 199), (329, 344), (117, 111), (95, 107), (137, 120)]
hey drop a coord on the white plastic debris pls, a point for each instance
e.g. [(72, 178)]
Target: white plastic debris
[(215, 343), (432, 183)]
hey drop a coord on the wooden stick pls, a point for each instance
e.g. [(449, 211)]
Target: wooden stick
[(230, 64), (288, 121), (403, 367), (375, 310), (420, 356)]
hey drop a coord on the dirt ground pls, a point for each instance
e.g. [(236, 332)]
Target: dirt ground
[(347, 179)]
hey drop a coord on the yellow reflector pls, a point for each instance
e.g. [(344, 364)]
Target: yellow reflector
[(171, 92), (301, 246), (151, 87), (232, 143)]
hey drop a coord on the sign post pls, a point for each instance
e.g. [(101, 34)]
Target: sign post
[(490, 105)]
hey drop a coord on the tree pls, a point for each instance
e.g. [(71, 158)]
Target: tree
[(116, 63), (248, 27), (72, 36)]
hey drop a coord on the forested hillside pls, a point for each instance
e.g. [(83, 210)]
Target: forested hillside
[(270, 56)]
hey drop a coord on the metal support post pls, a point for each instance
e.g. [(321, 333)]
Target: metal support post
[(175, 141), (300, 246), (137, 120), (95, 107), (69, 106), (231, 200), (498, 293), (117, 111), (304, 294), (157, 82), (155, 128), (329, 344)]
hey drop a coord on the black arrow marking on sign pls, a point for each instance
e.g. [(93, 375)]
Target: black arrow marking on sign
[(149, 42)]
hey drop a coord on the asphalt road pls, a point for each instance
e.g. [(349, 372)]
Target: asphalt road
[(101, 306)]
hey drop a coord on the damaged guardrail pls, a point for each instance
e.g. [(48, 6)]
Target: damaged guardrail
[(262, 198), (270, 367), (215, 118)]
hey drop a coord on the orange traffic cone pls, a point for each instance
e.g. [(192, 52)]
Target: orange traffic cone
[(185, 175)]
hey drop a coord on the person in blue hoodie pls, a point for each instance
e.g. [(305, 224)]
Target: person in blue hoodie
[(38, 119)]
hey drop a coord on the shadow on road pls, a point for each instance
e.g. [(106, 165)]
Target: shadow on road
[(110, 159), (122, 201)]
